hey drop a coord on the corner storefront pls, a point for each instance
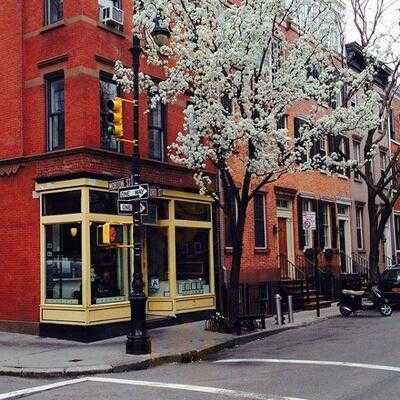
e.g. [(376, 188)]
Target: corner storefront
[(85, 287)]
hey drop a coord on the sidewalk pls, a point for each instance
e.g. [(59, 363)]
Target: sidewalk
[(25, 355)]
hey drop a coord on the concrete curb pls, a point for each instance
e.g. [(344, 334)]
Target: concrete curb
[(185, 357)]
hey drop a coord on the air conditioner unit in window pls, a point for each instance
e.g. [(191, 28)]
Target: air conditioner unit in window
[(111, 15)]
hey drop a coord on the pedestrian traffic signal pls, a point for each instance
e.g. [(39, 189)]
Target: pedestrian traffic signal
[(110, 234), (114, 118)]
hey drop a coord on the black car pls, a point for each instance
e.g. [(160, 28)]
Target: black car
[(389, 284)]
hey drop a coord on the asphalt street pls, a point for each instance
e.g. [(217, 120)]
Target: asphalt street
[(348, 359)]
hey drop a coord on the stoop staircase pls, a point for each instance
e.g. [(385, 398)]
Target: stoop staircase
[(298, 280)]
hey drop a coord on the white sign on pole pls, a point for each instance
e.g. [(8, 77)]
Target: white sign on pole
[(309, 220)]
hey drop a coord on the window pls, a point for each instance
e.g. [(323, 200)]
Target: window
[(55, 113), (326, 226), (283, 203), (357, 157), (63, 261), (391, 275), (192, 211), (302, 153), (108, 91), (275, 56), (259, 221), (271, 58), (53, 11), (157, 261), (192, 261), (342, 209), (108, 270), (360, 227), (103, 202), (397, 230), (157, 132), (307, 233), (341, 146), (62, 203)]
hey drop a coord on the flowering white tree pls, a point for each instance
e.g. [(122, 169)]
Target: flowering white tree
[(241, 65), (376, 30)]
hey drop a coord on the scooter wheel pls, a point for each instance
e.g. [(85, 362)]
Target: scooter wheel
[(385, 309), (345, 311)]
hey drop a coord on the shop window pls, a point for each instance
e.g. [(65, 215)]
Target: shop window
[(192, 211), (157, 262), (63, 255), (53, 11), (103, 202), (62, 203), (55, 113), (162, 208), (108, 91), (192, 261), (108, 274)]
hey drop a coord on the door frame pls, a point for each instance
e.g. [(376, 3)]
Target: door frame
[(287, 214), (347, 233)]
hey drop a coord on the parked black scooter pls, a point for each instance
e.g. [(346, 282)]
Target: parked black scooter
[(371, 299)]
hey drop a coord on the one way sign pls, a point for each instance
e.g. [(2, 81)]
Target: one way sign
[(126, 208), (137, 192)]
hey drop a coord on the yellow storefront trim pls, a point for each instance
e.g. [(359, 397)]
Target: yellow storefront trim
[(92, 314)]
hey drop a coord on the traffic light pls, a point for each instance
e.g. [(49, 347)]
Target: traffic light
[(110, 234), (114, 118)]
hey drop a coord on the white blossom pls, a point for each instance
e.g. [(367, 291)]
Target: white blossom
[(241, 70)]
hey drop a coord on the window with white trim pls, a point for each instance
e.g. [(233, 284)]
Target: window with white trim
[(326, 226), (53, 11), (360, 227), (357, 157), (308, 233)]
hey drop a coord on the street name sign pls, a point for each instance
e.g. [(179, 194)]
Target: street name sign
[(122, 183), (137, 192)]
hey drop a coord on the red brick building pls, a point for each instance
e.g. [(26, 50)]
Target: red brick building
[(56, 67)]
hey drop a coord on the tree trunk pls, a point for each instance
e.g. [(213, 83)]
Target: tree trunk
[(374, 250), (374, 257), (237, 247)]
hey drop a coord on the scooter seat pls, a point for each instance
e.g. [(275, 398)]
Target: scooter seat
[(353, 292)]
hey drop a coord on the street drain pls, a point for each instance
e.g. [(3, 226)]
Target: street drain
[(74, 360)]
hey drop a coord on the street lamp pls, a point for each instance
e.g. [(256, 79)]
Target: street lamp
[(138, 342)]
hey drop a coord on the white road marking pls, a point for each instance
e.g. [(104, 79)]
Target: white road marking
[(195, 388), (309, 362), (38, 389), (172, 386)]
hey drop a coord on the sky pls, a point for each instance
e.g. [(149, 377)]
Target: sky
[(390, 20)]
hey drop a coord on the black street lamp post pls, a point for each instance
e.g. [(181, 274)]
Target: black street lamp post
[(138, 342)]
